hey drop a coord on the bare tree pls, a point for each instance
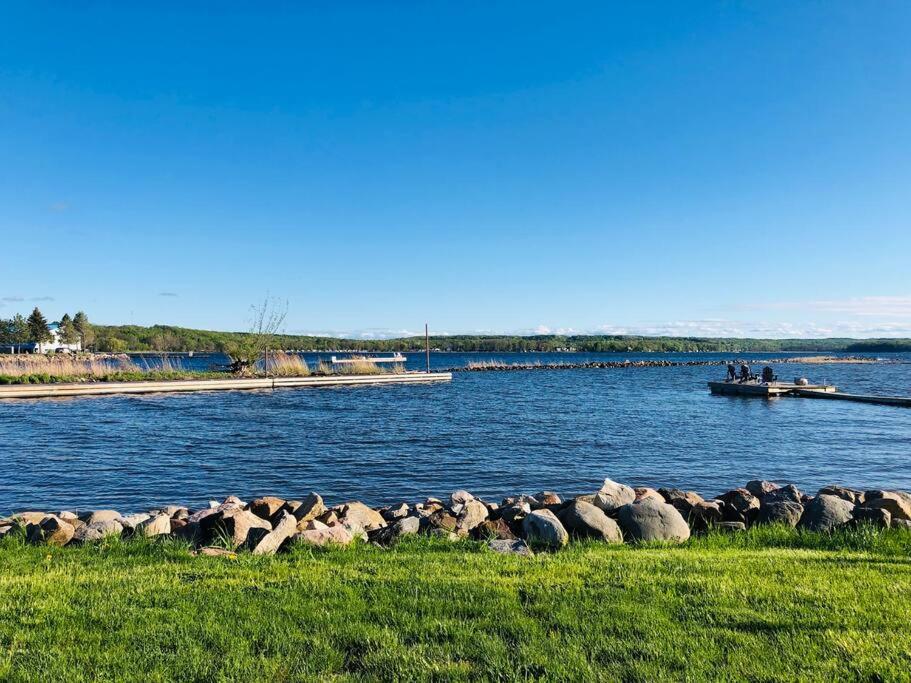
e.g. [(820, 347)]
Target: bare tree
[(265, 322)]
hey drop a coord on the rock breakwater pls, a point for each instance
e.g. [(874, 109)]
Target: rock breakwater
[(616, 513), (495, 365)]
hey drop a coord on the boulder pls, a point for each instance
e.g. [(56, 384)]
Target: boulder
[(740, 500), (760, 487), (612, 496), (236, 525), (542, 526), (824, 513), (215, 552), (784, 493), (780, 512), (131, 522), (898, 504), (649, 520), (266, 507), (28, 517), (441, 519), (473, 513), (851, 495), (395, 512), (459, 497), (879, 517), (682, 500), (545, 499), (51, 530), (515, 513), (645, 492), (587, 521), (338, 535), (356, 515), (510, 547), (491, 529), (263, 542), (97, 531), (309, 508), (704, 514), (392, 533), (94, 516), (5, 529), (155, 526), (70, 517)]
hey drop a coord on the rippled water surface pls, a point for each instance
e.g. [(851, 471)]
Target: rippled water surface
[(494, 433)]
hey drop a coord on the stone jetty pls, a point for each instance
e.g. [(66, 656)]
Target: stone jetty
[(500, 366), (520, 524)]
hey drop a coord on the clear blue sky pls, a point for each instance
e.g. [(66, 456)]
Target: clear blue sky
[(714, 168)]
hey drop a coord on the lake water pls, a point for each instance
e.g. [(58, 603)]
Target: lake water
[(494, 433)]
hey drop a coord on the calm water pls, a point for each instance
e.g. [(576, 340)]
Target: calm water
[(493, 433)]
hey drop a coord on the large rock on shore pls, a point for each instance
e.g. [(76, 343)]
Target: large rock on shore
[(824, 513), (491, 529), (780, 512), (613, 495), (851, 495), (684, 501), (356, 515), (898, 504), (510, 547), (159, 525), (704, 515), (789, 493), (237, 524), (337, 534), (473, 513), (309, 508), (407, 526), (649, 520), (51, 530), (266, 507), (587, 521), (262, 542), (97, 531), (542, 526), (95, 516), (760, 487)]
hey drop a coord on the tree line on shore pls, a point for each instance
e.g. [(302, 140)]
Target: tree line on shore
[(19, 330), (168, 338)]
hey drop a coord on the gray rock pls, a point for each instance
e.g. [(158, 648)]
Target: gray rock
[(646, 492), (395, 512), (155, 526), (760, 487), (879, 517), (780, 512), (842, 492), (898, 504), (784, 493), (309, 508), (649, 520), (266, 507), (95, 516), (740, 500), (515, 513), (130, 522), (97, 531), (473, 513), (459, 497), (355, 515), (510, 547), (824, 513), (337, 535), (28, 517), (684, 501), (269, 542), (587, 521), (51, 530), (704, 514), (392, 533), (731, 526), (542, 526), (236, 525), (612, 496)]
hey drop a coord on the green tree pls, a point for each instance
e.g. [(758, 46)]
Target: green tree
[(68, 332), (38, 330), (84, 329)]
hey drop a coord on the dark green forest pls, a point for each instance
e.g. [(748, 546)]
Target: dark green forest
[(169, 338)]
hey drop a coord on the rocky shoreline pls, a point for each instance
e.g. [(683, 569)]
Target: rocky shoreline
[(616, 513), (494, 366)]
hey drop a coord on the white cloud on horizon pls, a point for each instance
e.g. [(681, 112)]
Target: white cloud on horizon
[(866, 306)]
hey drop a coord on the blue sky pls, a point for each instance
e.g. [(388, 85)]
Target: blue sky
[(688, 168)]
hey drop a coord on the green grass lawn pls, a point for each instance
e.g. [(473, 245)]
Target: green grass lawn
[(768, 604)]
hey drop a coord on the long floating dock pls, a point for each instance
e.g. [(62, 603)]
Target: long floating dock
[(233, 384), (766, 389), (858, 398)]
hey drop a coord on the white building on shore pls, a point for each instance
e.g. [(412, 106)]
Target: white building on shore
[(55, 344)]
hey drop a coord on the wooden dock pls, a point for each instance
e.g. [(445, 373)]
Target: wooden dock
[(765, 389), (14, 391), (808, 392)]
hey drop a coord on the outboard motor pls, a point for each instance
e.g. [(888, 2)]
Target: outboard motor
[(768, 375)]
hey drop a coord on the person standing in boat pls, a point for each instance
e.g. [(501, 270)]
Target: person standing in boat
[(732, 372)]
